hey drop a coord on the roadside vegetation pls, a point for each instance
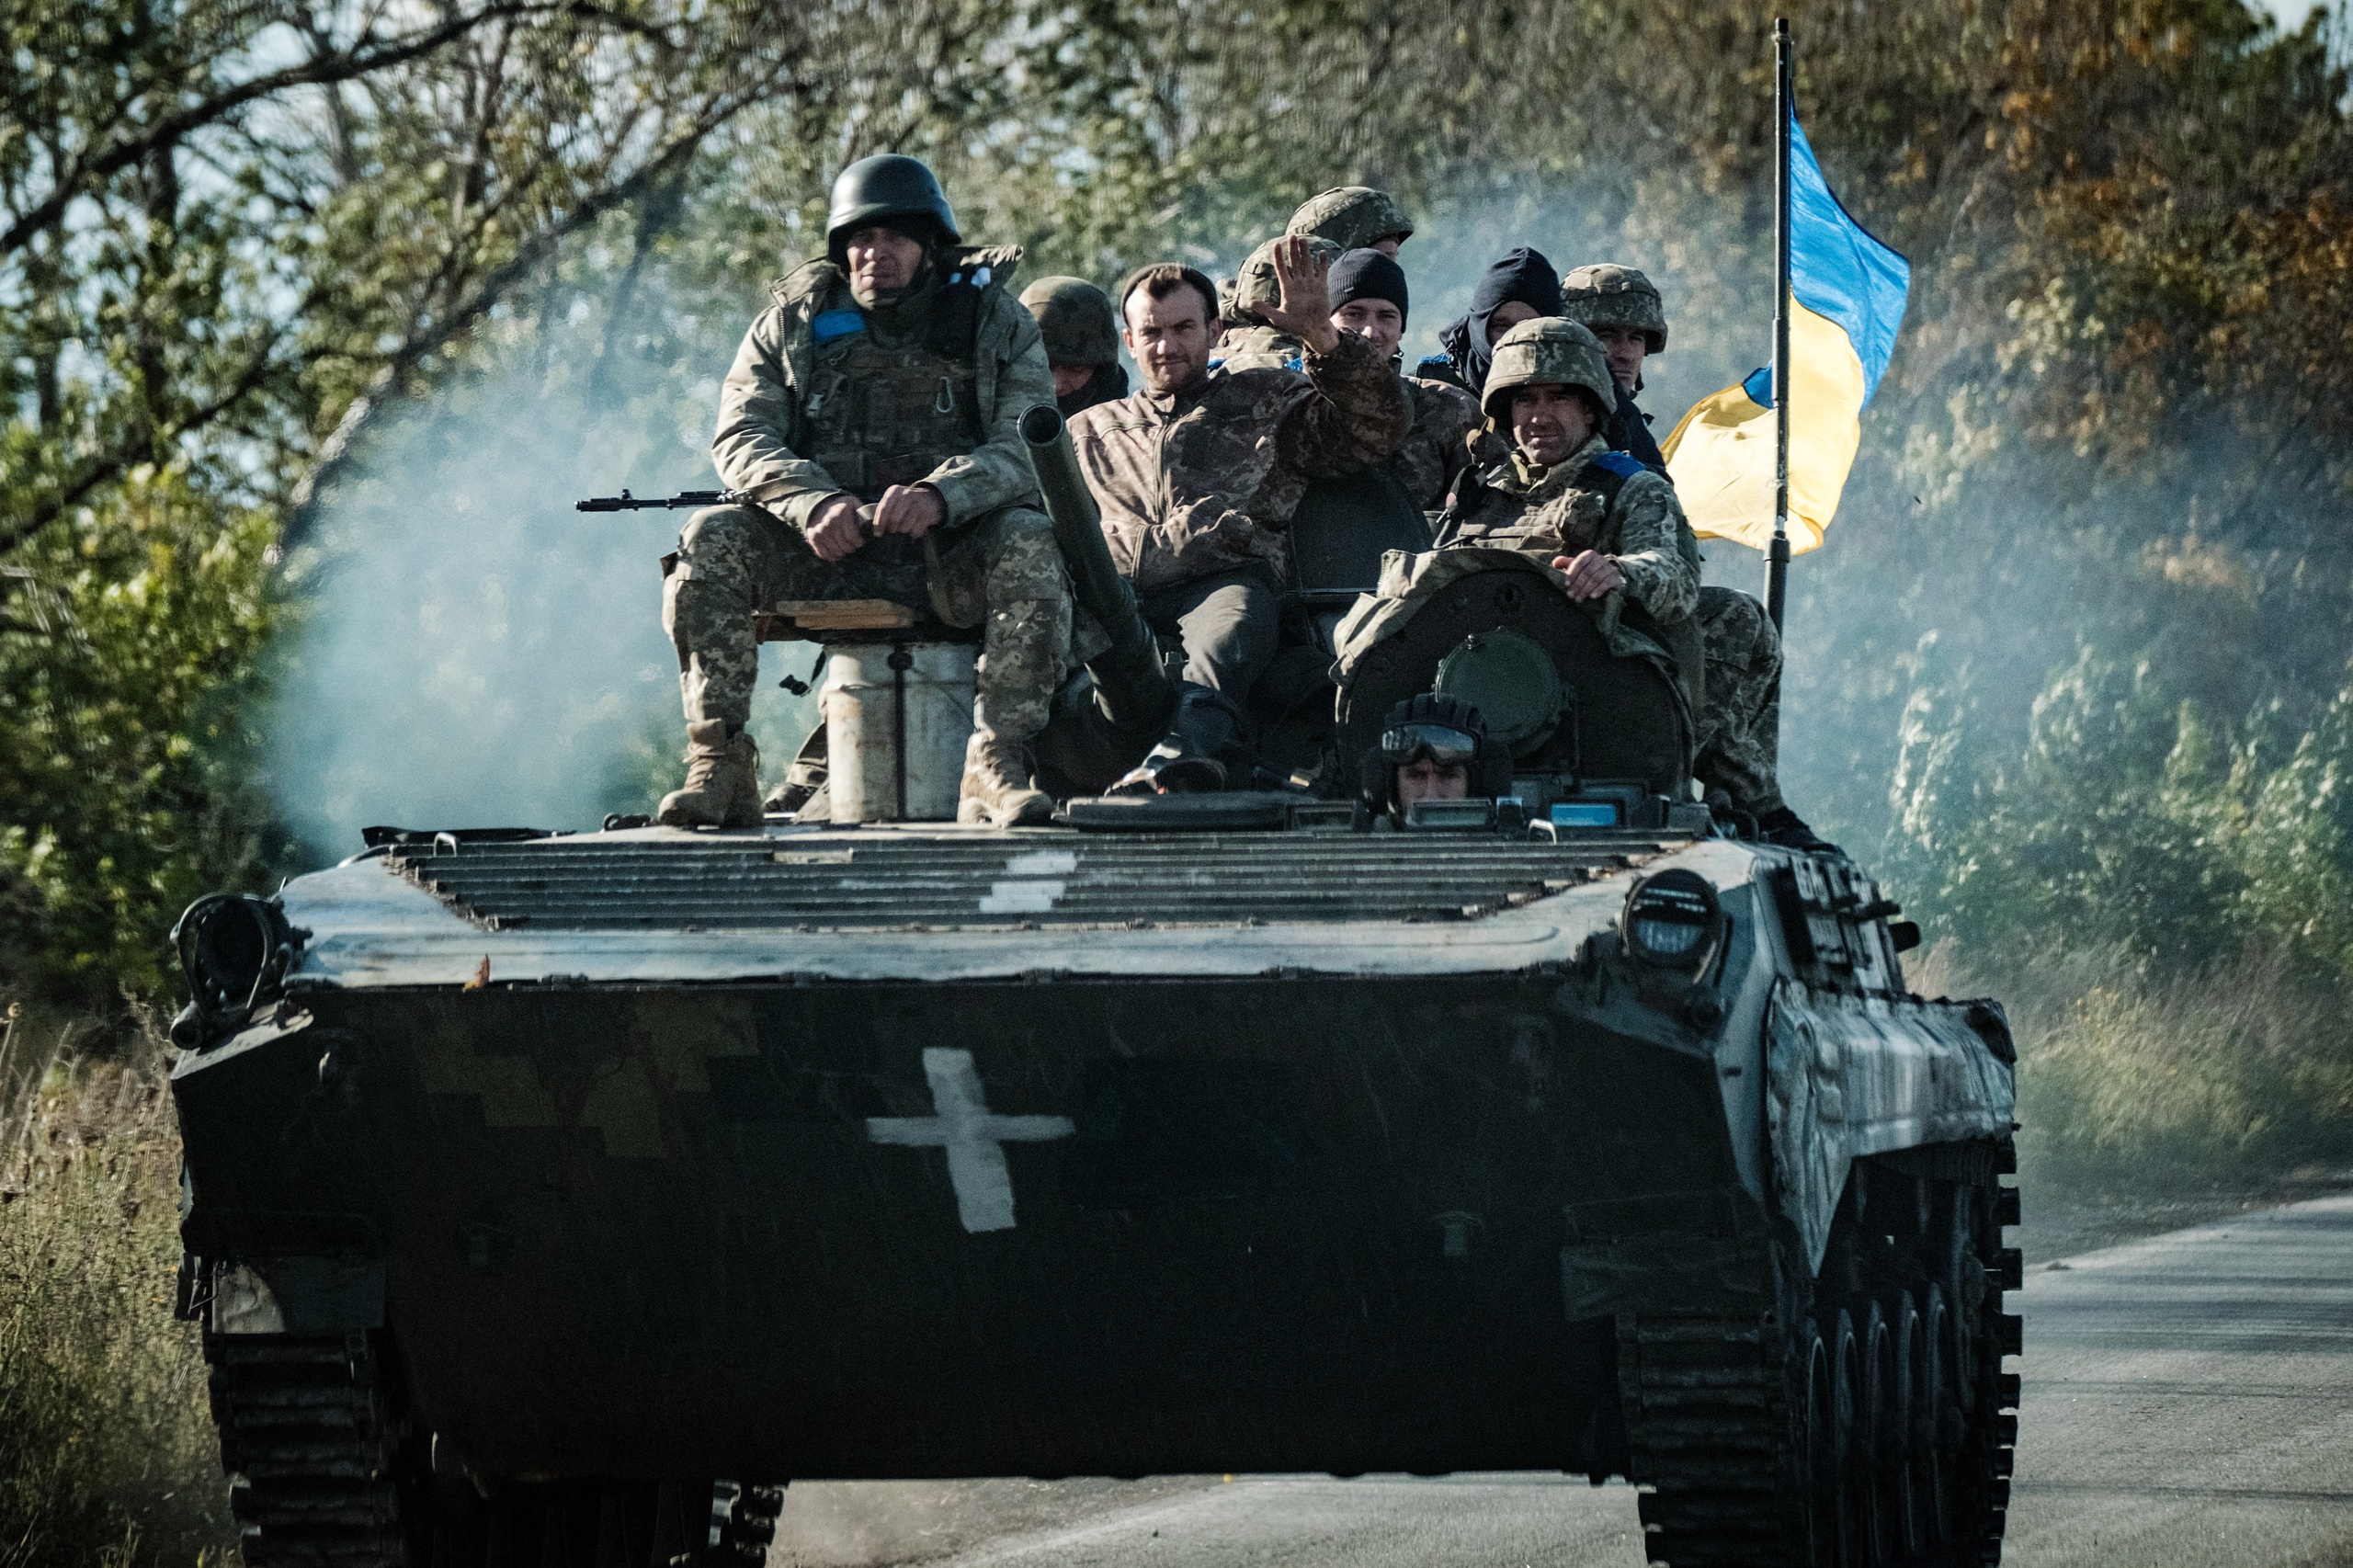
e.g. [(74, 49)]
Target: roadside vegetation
[(285, 290), (106, 1452)]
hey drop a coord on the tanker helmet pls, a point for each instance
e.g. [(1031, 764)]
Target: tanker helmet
[(1351, 217), (1548, 350), (1075, 317), (1447, 730), (1607, 294), (889, 188), (1257, 287)]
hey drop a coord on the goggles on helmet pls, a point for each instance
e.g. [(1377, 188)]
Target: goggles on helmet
[(1442, 744)]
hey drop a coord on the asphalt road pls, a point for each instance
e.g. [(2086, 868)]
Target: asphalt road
[(2188, 1403)]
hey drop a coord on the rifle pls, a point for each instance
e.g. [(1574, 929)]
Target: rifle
[(625, 502)]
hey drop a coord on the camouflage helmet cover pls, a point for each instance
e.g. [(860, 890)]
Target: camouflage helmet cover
[(878, 189), (1607, 294), (1076, 319), (1351, 217), (1548, 351), (1257, 287)]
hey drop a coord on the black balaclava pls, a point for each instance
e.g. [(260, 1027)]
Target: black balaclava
[(1523, 275)]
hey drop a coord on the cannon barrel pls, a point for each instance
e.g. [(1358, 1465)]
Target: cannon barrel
[(1131, 682)]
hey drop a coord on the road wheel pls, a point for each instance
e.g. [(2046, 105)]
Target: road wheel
[(1850, 1447), (1879, 1433), (1904, 1434), (1817, 1393)]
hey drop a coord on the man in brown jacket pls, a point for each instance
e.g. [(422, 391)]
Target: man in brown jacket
[(1197, 477)]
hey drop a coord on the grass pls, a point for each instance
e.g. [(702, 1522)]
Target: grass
[(107, 1450), (2237, 1070)]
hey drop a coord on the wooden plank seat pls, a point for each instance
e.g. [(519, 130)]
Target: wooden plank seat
[(853, 621)]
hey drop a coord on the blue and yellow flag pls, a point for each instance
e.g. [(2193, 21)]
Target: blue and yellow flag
[(1848, 292)]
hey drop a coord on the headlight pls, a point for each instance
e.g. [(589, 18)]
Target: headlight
[(234, 948), (1673, 920)]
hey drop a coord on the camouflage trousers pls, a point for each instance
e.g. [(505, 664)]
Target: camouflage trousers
[(1740, 728), (1003, 572)]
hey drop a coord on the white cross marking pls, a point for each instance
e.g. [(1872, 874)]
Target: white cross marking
[(1034, 884), (975, 1139)]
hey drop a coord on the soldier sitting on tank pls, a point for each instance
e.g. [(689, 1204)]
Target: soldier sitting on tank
[(1370, 299), (1740, 722), (1622, 309), (1081, 334), (1603, 521), (1432, 747), (1197, 477), (889, 374)]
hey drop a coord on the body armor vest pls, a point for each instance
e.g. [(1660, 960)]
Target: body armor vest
[(882, 414)]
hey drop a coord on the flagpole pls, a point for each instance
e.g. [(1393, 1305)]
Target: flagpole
[(1777, 560)]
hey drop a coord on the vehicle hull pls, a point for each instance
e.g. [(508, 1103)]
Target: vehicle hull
[(1280, 1224)]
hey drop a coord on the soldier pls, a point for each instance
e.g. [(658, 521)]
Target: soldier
[(1430, 745), (1518, 287), (890, 375), (1622, 309), (1198, 476), (1082, 336), (1596, 516), (1606, 522), (1354, 217), (1370, 299), (1250, 342)]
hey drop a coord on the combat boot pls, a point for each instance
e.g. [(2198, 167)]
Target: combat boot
[(722, 787), (997, 788)]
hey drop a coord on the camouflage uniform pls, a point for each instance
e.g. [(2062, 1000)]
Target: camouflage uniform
[(1206, 479), (1740, 725), (1594, 499), (1201, 484), (1351, 217), (1561, 510), (1446, 440), (825, 398)]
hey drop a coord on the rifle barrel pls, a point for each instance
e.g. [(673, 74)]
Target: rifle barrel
[(625, 502)]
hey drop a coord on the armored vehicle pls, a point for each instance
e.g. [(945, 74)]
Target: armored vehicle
[(537, 1181)]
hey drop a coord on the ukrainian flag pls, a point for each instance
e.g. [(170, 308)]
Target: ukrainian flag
[(1847, 295)]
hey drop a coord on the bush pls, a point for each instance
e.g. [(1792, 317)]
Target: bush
[(106, 1448), (2169, 1075)]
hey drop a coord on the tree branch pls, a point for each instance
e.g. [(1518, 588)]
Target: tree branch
[(322, 70)]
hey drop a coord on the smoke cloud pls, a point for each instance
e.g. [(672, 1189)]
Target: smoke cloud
[(473, 652)]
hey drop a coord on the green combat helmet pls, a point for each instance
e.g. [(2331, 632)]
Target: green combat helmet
[(887, 188), (1256, 286), (1351, 217), (1607, 294), (1076, 319), (1548, 351)]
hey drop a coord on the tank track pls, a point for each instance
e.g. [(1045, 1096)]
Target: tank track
[(1732, 1421), (747, 1529), (311, 1450), (325, 1473)]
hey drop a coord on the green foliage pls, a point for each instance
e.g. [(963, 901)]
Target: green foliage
[(123, 731)]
